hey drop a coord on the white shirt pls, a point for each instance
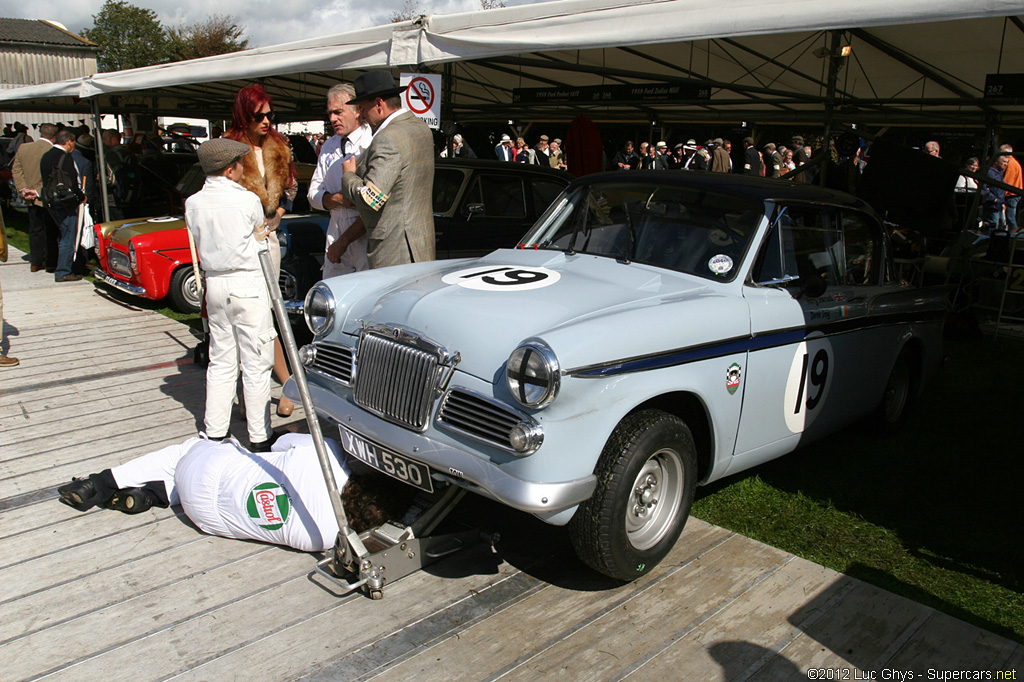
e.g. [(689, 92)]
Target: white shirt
[(222, 217), (327, 180)]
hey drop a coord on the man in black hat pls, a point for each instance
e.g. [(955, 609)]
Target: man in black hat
[(392, 183)]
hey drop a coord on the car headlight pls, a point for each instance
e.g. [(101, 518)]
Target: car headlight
[(532, 374), (132, 258), (319, 309)]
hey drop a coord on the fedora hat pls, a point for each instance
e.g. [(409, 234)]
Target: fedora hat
[(373, 84)]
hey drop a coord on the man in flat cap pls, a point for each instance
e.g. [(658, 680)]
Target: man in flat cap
[(227, 221), (392, 183)]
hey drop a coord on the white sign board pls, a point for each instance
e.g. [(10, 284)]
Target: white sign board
[(423, 96)]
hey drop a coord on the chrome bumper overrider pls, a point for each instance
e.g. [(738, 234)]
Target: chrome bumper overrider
[(453, 464), (118, 284)]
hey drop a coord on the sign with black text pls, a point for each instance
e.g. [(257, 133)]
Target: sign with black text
[(423, 97)]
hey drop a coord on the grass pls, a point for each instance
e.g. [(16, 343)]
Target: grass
[(932, 513)]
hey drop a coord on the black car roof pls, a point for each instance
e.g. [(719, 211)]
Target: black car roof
[(762, 189)]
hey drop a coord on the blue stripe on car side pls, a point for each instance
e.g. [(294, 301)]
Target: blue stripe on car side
[(685, 355), (750, 343)]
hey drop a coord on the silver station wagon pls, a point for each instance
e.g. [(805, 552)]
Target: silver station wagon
[(652, 332)]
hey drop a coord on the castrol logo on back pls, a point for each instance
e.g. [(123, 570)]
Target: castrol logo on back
[(268, 506)]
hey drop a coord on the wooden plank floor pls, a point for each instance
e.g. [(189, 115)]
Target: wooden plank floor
[(88, 596)]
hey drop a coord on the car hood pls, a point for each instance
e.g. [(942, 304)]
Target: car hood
[(589, 310), (121, 231)]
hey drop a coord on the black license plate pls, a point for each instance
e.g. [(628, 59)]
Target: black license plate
[(386, 461)]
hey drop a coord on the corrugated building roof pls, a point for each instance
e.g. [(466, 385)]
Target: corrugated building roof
[(40, 32)]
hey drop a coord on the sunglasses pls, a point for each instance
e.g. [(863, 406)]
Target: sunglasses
[(260, 115)]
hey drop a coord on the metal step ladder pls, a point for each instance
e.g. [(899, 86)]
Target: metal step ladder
[(1012, 297)]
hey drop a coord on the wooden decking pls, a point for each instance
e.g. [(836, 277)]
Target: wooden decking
[(99, 595)]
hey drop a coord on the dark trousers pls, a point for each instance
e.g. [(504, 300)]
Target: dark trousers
[(42, 237)]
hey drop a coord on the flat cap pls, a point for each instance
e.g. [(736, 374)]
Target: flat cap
[(544, 137), (558, 141), (217, 154), (506, 138), (661, 144)]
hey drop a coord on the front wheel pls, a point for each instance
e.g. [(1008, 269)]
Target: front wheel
[(892, 409), (646, 480), (183, 292)]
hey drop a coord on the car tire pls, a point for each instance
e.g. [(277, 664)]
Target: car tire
[(896, 398), (183, 292), (646, 480)]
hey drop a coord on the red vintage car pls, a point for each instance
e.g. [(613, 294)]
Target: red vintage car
[(148, 257)]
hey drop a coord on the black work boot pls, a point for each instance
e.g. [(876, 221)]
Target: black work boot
[(84, 493), (133, 500)]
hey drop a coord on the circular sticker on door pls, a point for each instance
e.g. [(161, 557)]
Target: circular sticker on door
[(502, 278), (807, 388)]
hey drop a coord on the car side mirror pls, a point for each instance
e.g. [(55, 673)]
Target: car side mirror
[(474, 209)]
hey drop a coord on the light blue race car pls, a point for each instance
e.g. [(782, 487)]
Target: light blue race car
[(653, 331)]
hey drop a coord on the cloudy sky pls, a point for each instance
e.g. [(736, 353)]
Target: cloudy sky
[(267, 22)]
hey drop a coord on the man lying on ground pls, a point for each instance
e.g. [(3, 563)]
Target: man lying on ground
[(278, 496)]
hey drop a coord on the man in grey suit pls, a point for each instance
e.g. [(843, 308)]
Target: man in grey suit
[(392, 183)]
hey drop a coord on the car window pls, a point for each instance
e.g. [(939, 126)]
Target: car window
[(804, 241), (544, 192), (501, 195), (862, 242), (447, 183), (686, 229)]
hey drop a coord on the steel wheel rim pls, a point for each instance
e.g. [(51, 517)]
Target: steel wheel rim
[(655, 498), (191, 291), (896, 392)]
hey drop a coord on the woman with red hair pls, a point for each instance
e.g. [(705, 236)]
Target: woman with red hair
[(270, 175)]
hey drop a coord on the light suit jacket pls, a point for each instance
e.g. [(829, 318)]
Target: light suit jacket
[(25, 167), (400, 163)]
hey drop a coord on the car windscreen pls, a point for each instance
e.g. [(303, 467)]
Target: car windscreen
[(687, 229)]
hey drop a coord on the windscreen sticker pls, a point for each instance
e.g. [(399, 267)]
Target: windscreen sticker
[(720, 264), (502, 278), (810, 377), (163, 219)]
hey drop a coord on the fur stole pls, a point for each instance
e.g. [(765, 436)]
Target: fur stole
[(277, 158)]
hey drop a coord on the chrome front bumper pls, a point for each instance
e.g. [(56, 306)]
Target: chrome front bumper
[(454, 464), (118, 284)]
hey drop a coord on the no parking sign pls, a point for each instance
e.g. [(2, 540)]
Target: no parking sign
[(423, 96)]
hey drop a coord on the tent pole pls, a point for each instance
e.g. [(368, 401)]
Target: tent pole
[(101, 157), (834, 63)]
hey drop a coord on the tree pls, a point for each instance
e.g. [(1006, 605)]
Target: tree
[(128, 36), (217, 35), (411, 9)]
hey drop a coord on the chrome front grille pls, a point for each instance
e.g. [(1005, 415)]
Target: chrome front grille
[(400, 374), (117, 262), (479, 417), (335, 361), (288, 285)]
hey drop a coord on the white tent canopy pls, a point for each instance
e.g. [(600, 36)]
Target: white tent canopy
[(913, 61)]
